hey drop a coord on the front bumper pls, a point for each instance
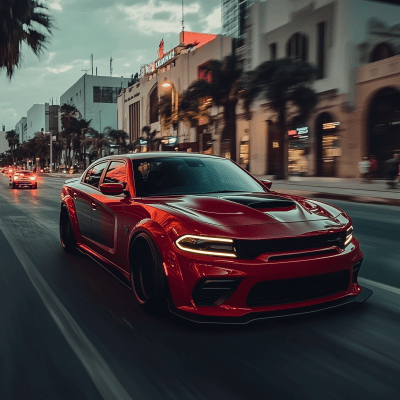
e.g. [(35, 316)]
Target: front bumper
[(237, 307), (363, 295)]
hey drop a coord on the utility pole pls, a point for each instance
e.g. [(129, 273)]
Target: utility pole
[(100, 120), (111, 71)]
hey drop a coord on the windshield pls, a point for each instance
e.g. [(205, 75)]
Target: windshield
[(190, 175)]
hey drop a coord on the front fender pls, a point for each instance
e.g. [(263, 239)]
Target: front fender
[(170, 262), (68, 202)]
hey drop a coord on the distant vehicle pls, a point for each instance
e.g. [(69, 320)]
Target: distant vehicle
[(203, 236), (23, 179)]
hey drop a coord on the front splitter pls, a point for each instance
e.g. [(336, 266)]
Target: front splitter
[(254, 316)]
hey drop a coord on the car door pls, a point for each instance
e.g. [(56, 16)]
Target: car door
[(108, 212), (83, 199)]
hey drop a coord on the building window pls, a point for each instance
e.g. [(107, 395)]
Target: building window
[(297, 46), (321, 29), (381, 51), (134, 120), (105, 94), (154, 105), (272, 51)]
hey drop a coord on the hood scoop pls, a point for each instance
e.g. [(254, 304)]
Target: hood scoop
[(261, 202)]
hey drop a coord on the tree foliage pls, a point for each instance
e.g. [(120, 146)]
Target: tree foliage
[(22, 21)]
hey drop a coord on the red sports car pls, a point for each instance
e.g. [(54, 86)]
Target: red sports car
[(23, 179), (202, 235)]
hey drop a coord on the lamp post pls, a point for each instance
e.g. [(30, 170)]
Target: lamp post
[(168, 85), (100, 120)]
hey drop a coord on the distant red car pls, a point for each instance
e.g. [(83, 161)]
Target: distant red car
[(23, 179), (204, 235)]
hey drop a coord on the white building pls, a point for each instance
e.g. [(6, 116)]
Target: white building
[(96, 99), (337, 36), (3, 141), (41, 118), (21, 128), (234, 17), (171, 74)]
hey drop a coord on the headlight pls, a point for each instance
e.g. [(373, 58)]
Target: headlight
[(349, 236), (209, 246)]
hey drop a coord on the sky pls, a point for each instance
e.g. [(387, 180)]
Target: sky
[(129, 31)]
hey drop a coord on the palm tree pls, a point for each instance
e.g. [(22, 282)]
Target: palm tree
[(68, 113), (19, 23), (80, 127), (283, 83), (97, 141), (13, 141), (223, 91), (119, 138)]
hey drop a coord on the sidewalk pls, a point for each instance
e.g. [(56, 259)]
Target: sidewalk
[(349, 189)]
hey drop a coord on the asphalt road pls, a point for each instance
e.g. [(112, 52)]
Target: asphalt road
[(69, 330)]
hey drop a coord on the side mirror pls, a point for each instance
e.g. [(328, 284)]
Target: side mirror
[(112, 188), (267, 183)]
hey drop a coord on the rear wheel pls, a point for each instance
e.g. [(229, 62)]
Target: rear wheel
[(148, 279), (67, 235)]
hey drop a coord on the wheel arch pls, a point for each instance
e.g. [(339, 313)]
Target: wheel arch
[(171, 266), (69, 205)]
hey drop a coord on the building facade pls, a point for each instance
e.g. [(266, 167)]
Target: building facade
[(234, 14), (96, 99), (21, 128), (170, 75), (41, 118), (3, 141), (339, 40)]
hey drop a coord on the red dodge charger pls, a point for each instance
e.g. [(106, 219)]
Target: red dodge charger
[(203, 236)]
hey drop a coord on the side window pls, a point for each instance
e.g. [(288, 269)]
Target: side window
[(93, 176), (116, 173)]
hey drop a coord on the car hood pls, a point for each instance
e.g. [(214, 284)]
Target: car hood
[(246, 209)]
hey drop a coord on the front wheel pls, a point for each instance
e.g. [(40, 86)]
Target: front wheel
[(67, 235), (149, 283)]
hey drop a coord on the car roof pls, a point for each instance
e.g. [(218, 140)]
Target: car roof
[(161, 154)]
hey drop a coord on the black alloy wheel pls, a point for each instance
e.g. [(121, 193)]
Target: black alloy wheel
[(67, 236), (148, 280)]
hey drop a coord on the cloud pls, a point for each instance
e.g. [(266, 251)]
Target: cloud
[(140, 58), (147, 18), (213, 21), (51, 56), (55, 5), (59, 70), (127, 65)]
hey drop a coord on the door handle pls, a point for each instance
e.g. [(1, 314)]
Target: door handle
[(94, 206)]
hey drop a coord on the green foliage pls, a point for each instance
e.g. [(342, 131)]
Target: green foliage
[(22, 21)]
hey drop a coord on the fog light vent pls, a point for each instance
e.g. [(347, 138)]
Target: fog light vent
[(214, 292), (356, 270)]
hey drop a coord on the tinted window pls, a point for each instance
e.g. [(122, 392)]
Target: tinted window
[(116, 173), (190, 175), (93, 176)]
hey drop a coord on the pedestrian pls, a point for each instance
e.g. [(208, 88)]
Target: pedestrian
[(373, 168), (364, 167), (392, 171)]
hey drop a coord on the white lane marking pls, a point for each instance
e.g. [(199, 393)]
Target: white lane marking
[(128, 323), (392, 289), (100, 373)]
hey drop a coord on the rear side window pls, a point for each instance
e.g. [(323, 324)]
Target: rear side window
[(93, 176), (116, 173)]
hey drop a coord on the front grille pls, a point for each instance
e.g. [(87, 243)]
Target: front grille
[(297, 289), (249, 249), (214, 292)]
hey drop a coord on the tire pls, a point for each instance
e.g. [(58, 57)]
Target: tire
[(13, 186), (148, 280), (67, 236), (34, 187)]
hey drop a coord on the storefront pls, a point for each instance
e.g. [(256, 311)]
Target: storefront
[(244, 152), (298, 148)]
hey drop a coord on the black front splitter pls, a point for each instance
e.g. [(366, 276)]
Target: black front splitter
[(254, 316)]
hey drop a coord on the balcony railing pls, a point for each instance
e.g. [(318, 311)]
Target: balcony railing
[(379, 69)]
